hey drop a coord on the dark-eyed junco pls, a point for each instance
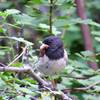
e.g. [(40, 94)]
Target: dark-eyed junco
[(53, 58)]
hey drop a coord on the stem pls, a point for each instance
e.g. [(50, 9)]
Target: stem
[(24, 49), (50, 16)]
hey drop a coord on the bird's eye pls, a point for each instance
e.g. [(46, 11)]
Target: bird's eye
[(49, 42)]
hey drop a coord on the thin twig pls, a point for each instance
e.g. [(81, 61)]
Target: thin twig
[(12, 25), (60, 93), (68, 76), (88, 87), (24, 49), (50, 15), (81, 89)]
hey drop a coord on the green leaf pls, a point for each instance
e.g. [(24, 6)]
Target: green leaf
[(95, 78), (66, 82), (21, 40), (91, 97), (12, 11), (24, 19), (30, 81), (60, 87), (78, 64), (1, 30), (2, 53), (36, 1), (4, 50), (5, 4), (97, 89), (66, 22), (3, 14), (25, 90), (96, 33), (60, 2), (21, 98), (89, 81), (61, 23), (97, 38), (91, 22), (1, 98), (17, 64), (46, 27), (85, 21), (87, 53), (45, 2)]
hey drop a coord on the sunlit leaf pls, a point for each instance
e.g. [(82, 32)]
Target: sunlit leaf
[(21, 98), (21, 40), (97, 38), (87, 53), (12, 11), (24, 19)]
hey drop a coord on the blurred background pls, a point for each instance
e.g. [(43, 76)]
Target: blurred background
[(27, 22), (30, 20)]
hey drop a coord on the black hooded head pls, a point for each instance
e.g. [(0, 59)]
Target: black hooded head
[(55, 50)]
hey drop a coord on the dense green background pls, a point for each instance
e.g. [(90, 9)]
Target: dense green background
[(26, 22)]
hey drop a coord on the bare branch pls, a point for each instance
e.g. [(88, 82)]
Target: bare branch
[(88, 87), (14, 69), (81, 89), (23, 69), (44, 84)]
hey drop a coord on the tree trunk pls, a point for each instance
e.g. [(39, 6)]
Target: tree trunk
[(85, 30)]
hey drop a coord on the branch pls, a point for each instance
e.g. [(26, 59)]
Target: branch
[(85, 30), (28, 68), (13, 69), (23, 69), (88, 87), (81, 89), (77, 77), (60, 93)]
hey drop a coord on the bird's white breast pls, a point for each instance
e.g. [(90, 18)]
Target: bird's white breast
[(51, 67)]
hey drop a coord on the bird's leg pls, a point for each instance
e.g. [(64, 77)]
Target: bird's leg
[(53, 82)]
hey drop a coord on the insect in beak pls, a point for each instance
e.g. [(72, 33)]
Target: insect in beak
[(43, 46), (42, 49)]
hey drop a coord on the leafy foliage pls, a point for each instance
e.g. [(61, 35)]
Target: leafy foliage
[(27, 26)]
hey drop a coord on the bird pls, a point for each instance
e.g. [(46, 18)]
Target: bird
[(52, 56)]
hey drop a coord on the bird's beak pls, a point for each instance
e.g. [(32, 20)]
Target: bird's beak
[(43, 46), (42, 49)]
